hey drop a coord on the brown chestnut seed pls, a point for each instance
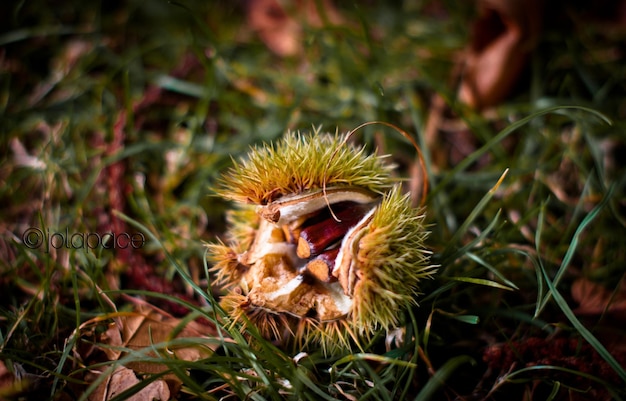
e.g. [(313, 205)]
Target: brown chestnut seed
[(322, 265), (323, 230)]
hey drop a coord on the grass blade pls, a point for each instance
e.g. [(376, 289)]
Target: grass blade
[(468, 161), (481, 281), (584, 332), (572, 247), (441, 375)]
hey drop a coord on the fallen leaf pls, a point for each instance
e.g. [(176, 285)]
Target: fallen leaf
[(595, 299), (140, 330), (504, 34), (113, 337), (123, 379), (151, 326), (280, 27)]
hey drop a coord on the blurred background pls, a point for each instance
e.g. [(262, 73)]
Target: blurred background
[(119, 116)]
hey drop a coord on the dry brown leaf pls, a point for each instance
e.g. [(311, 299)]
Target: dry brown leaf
[(113, 337), (277, 30), (151, 326), (504, 35), (139, 330), (595, 299), (279, 24), (123, 379)]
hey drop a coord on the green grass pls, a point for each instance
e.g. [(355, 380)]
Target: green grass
[(120, 117)]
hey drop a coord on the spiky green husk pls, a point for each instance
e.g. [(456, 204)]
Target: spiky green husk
[(392, 260), (243, 223), (301, 162), (390, 257), (290, 331), (225, 263)]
